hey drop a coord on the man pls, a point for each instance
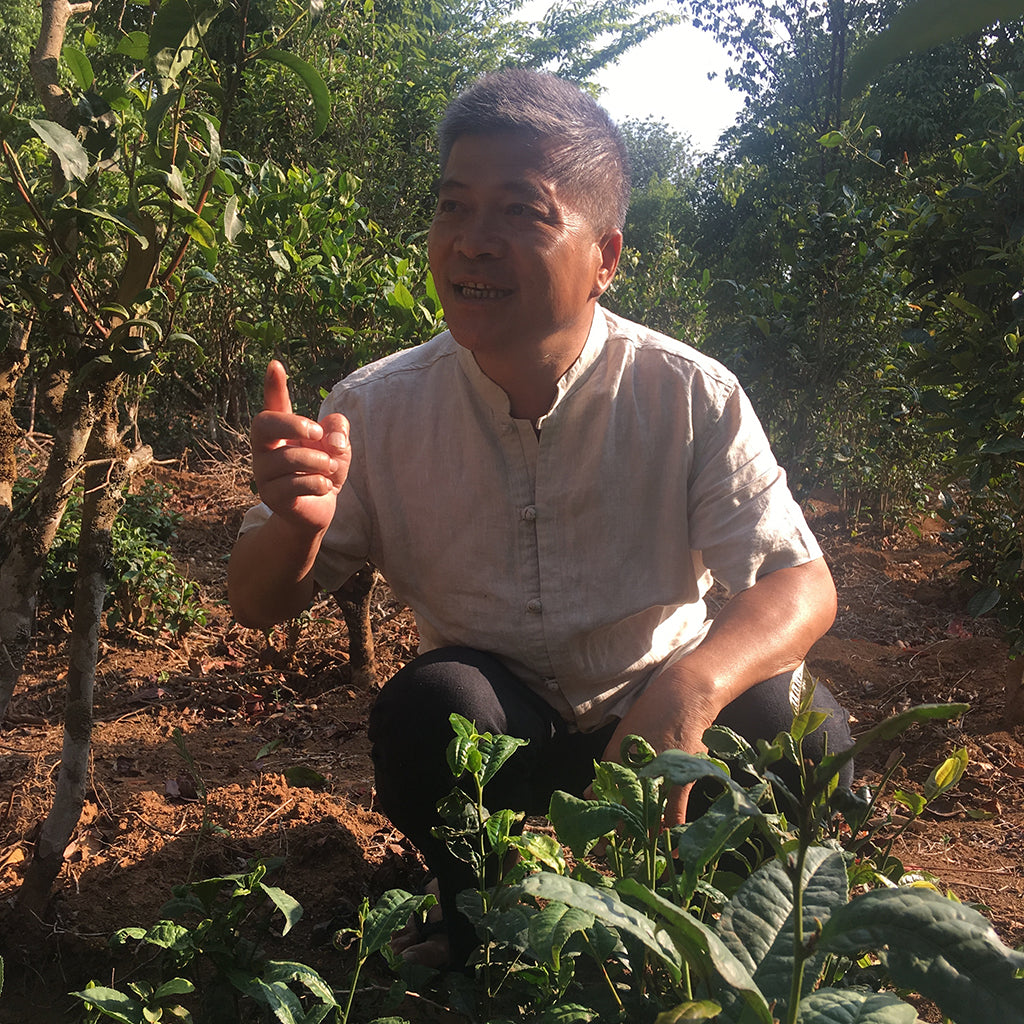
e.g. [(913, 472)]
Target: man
[(550, 488)]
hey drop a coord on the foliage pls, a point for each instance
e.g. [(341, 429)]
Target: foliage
[(774, 904), (963, 249), (221, 955), (148, 592), (676, 933), (924, 24), (375, 929)]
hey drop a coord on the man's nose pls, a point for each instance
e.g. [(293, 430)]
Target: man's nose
[(479, 237)]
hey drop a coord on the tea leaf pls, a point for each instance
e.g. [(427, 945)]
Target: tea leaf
[(580, 823), (389, 915), (114, 1004), (757, 923), (702, 948), (706, 1009), (286, 904), (942, 949), (606, 906), (854, 1006), (285, 970), (946, 775)]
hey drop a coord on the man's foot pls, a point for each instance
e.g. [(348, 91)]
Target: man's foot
[(425, 943)]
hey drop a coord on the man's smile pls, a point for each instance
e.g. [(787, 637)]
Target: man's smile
[(476, 290)]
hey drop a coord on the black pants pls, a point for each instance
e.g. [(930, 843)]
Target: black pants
[(409, 731)]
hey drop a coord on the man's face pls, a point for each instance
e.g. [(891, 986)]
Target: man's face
[(515, 263)]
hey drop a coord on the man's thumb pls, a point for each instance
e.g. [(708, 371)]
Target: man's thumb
[(275, 389)]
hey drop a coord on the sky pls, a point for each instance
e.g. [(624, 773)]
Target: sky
[(666, 78)]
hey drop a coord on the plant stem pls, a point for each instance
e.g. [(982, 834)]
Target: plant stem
[(799, 950)]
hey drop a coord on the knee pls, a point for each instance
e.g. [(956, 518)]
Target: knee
[(415, 706)]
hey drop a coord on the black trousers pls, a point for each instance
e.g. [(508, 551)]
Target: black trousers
[(410, 732)]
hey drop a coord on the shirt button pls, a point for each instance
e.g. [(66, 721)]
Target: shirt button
[(534, 606), (530, 513)]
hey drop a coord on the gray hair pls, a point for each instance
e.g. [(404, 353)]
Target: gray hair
[(589, 157)]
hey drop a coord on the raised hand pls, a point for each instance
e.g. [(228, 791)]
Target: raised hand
[(300, 465)]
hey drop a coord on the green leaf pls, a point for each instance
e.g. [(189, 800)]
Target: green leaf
[(302, 776), (114, 218), (280, 999), (922, 24), (886, 730), (400, 297), (705, 1009), (619, 785), (706, 839), (134, 45), (542, 849), (233, 224), (282, 971), (757, 924), (74, 161), (606, 906), (831, 139), (79, 66), (983, 602), (114, 1004), (854, 1006), (681, 769), (174, 987), (552, 928), (174, 39), (581, 823), (389, 915), (201, 231), (496, 752), (288, 905), (946, 951), (316, 86), (702, 947)]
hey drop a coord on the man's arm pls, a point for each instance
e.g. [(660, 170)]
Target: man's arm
[(761, 632), (299, 466)]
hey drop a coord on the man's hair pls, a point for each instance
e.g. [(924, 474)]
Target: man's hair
[(589, 157)]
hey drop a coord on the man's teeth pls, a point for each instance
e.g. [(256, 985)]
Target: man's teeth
[(480, 291)]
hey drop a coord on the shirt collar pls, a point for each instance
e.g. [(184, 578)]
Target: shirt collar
[(496, 397)]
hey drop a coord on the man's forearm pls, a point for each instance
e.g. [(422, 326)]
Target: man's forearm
[(764, 631), (270, 575)]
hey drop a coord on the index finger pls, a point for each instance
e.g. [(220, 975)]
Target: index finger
[(275, 389)]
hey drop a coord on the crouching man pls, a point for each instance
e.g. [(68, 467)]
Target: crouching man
[(550, 488)]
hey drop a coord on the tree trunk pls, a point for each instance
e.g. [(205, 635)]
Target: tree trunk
[(105, 477), (354, 598), (13, 363), (25, 541)]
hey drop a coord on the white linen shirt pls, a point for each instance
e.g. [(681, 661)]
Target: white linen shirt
[(577, 551)]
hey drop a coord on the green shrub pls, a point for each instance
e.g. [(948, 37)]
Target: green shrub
[(146, 590)]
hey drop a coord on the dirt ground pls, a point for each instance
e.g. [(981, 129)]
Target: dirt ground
[(256, 713)]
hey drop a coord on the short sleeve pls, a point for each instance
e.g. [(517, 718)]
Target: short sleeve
[(743, 519)]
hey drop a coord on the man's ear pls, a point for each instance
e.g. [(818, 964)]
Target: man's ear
[(610, 245)]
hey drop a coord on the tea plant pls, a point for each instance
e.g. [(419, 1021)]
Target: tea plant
[(218, 957), (375, 929), (147, 591), (676, 932)]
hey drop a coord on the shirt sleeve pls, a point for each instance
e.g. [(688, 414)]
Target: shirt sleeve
[(743, 519)]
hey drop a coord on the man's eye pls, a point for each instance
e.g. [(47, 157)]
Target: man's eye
[(446, 206)]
